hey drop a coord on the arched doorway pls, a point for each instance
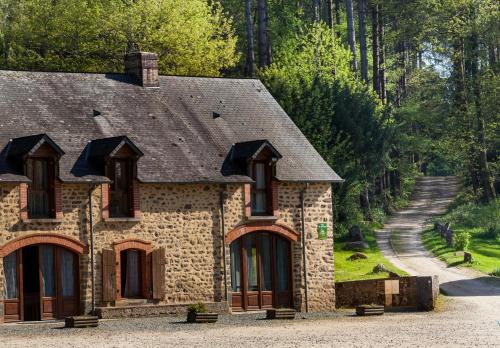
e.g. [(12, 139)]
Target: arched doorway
[(41, 280), (261, 271)]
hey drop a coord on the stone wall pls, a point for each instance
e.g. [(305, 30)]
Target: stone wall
[(319, 253), (410, 292), (186, 220)]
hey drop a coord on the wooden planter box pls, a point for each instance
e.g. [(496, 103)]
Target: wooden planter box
[(280, 313), (81, 321), (194, 317), (369, 310)]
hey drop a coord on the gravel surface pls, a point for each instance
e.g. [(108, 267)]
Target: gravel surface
[(457, 323)]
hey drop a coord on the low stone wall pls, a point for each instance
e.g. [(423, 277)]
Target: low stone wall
[(155, 310), (409, 292)]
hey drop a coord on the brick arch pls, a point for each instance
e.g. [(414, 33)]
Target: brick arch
[(132, 244), (250, 227), (69, 243)]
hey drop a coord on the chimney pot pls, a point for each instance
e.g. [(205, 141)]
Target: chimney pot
[(143, 66)]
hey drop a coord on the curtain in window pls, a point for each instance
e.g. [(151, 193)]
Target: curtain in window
[(251, 252), (67, 273), (38, 193), (265, 255), (10, 276), (48, 272), (282, 262), (259, 204), (132, 283), (236, 266)]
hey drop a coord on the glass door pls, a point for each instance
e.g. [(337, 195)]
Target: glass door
[(68, 294), (260, 272), (12, 287), (47, 282), (250, 264)]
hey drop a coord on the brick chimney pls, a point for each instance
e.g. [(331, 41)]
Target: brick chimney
[(143, 66)]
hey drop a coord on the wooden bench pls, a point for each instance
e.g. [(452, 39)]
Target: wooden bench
[(81, 321), (280, 313)]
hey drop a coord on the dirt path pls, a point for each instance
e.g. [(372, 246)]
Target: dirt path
[(405, 249)]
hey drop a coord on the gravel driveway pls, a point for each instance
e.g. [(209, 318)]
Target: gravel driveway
[(481, 293), (458, 324)]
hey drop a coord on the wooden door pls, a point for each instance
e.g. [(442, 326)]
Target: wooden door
[(261, 272), (13, 301), (251, 273), (68, 294), (282, 274), (47, 272)]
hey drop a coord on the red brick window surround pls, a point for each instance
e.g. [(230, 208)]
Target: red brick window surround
[(121, 197), (269, 191), (42, 197)]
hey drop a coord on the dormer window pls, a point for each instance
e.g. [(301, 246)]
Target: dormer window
[(261, 189), (37, 157), (41, 193), (117, 159), (120, 190), (257, 159)]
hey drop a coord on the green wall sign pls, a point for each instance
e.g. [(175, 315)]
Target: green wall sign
[(322, 231)]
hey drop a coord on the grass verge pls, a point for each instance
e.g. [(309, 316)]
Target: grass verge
[(361, 269), (482, 223)]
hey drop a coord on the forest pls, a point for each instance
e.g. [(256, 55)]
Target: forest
[(386, 90)]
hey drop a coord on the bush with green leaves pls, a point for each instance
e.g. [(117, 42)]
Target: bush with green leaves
[(462, 241), (197, 308)]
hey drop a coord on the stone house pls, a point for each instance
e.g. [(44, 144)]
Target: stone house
[(137, 194)]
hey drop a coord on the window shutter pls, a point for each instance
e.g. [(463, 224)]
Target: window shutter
[(158, 271), (23, 201), (105, 201), (58, 199), (108, 275)]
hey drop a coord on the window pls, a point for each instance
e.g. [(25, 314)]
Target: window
[(41, 172), (261, 189), (120, 193)]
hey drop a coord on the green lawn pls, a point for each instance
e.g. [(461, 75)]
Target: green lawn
[(476, 220), (361, 269)]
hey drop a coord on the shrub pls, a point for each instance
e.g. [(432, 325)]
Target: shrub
[(197, 308), (462, 241)]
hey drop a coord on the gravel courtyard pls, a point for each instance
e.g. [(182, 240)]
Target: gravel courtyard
[(457, 323)]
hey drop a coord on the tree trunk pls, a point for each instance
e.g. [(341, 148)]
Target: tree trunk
[(362, 41), (383, 93), (484, 175), (462, 108), (337, 12), (250, 63), (317, 10), (375, 50), (329, 14), (264, 47), (351, 34)]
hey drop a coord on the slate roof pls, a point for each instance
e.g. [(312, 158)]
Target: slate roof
[(185, 128)]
